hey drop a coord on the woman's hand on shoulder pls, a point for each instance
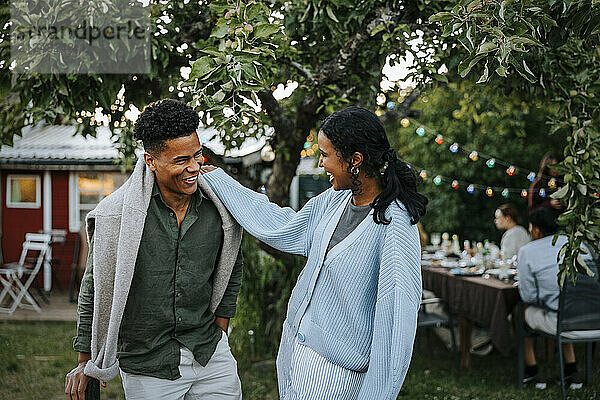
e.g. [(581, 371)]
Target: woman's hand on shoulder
[(207, 168)]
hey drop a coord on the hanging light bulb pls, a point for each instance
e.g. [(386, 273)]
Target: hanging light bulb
[(490, 163), (524, 193), (506, 193), (420, 131), (489, 191), (405, 122), (470, 189), (454, 147), (439, 139), (511, 170), (455, 184), (474, 156), (542, 192), (423, 174), (437, 180), (267, 154), (552, 183), (531, 176)]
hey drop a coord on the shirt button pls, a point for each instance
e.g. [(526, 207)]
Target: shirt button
[(179, 319), (171, 214), (301, 337)]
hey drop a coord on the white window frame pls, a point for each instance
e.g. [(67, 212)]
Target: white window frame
[(38, 190), (74, 201), (74, 220)]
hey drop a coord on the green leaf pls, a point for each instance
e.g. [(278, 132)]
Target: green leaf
[(330, 14), (266, 30), (377, 29), (464, 68), (484, 76), (561, 193), (201, 67), (527, 68), (443, 16), (486, 47), (218, 96), (524, 40), (220, 31)]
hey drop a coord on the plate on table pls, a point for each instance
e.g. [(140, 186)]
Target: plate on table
[(450, 263), (467, 271), (502, 273), (430, 263)]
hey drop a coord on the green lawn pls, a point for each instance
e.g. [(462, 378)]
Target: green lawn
[(34, 358)]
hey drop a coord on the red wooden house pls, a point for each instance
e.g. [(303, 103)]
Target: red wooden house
[(49, 179)]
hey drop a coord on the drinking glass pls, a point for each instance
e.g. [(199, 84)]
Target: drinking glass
[(436, 239)]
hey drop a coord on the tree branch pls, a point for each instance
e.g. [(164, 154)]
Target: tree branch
[(403, 109), (336, 68), (283, 125), (303, 71)]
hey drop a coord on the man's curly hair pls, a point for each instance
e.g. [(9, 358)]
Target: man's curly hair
[(163, 120)]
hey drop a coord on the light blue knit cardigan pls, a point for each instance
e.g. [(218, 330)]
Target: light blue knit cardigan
[(356, 306)]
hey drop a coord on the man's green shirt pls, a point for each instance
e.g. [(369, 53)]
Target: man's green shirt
[(169, 298)]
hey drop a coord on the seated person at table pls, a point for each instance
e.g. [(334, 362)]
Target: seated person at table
[(507, 218), (538, 284)]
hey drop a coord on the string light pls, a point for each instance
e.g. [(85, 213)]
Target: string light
[(596, 195), (474, 155), (405, 122), (552, 183), (471, 188), (263, 190)]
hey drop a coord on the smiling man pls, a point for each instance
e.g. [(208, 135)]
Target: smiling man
[(163, 274)]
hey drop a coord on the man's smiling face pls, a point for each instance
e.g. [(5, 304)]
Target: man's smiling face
[(177, 164)]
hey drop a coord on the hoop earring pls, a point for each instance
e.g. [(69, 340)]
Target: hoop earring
[(355, 171)]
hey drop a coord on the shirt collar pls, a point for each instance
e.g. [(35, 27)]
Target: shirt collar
[(197, 196)]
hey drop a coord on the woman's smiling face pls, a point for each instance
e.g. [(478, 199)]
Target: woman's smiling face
[(334, 164)]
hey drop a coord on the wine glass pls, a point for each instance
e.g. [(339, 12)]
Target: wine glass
[(436, 239)]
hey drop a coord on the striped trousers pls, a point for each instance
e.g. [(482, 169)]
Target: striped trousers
[(312, 377)]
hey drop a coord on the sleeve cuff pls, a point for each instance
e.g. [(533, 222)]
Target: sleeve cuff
[(82, 344), (225, 311)]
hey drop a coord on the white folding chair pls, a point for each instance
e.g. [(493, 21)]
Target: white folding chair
[(35, 249)]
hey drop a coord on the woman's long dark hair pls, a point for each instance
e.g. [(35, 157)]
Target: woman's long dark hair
[(356, 129)]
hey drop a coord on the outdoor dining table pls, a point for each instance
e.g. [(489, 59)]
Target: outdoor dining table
[(475, 299)]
